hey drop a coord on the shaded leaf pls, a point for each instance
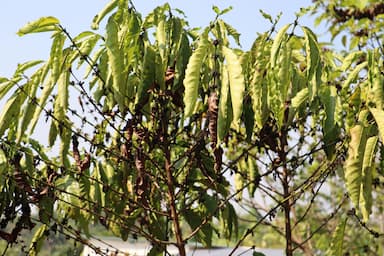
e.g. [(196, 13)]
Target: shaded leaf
[(336, 248), (37, 240)]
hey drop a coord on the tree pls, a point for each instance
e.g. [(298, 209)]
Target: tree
[(145, 142)]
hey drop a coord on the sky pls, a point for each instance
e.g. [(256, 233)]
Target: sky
[(76, 16)]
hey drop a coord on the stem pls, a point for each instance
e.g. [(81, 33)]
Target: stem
[(170, 184), (286, 193), (171, 195)]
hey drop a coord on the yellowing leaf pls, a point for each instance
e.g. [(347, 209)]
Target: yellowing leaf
[(236, 82), (366, 185), (354, 162)]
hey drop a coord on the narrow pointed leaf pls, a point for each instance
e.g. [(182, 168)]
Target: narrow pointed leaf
[(37, 240), (116, 62), (225, 109), (378, 115), (107, 9), (236, 83), (277, 42), (192, 75), (354, 162), (43, 24), (366, 185), (336, 248)]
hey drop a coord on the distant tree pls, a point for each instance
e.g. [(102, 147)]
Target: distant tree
[(146, 141)]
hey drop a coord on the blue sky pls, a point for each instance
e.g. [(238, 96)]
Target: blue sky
[(76, 16)]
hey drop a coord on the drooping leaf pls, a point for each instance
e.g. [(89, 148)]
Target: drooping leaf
[(375, 81), (43, 24), (330, 127), (253, 173), (349, 59), (56, 58), (336, 248), (236, 83), (353, 75), (205, 233), (225, 108), (354, 162), (367, 174), (10, 111), (192, 74), (148, 78), (107, 9), (37, 240), (277, 43), (378, 115), (116, 61), (312, 51), (61, 102)]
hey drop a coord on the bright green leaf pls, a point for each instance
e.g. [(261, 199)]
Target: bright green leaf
[(107, 9), (192, 74), (43, 24)]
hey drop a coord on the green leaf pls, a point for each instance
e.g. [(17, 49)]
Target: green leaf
[(148, 77), (43, 24), (41, 104), (266, 16), (312, 51), (277, 43), (366, 185), (192, 74), (61, 101), (354, 74), (258, 254), (253, 173), (107, 9), (37, 240), (378, 115), (232, 32), (56, 60), (194, 220), (10, 111), (330, 128), (116, 61), (354, 162), (336, 248), (26, 65), (236, 83), (225, 108), (350, 58)]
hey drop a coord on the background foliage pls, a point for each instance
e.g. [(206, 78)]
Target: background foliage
[(173, 134)]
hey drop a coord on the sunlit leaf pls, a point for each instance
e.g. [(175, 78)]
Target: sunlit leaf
[(107, 9), (192, 75), (277, 42), (236, 83), (43, 24), (37, 240), (354, 162), (367, 174)]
